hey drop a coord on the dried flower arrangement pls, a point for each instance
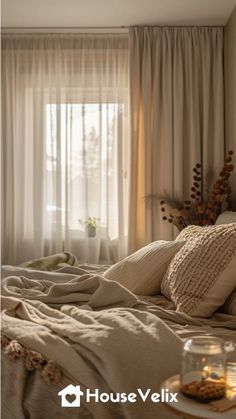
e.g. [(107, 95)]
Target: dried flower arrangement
[(201, 210)]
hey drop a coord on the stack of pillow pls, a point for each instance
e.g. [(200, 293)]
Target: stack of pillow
[(197, 271)]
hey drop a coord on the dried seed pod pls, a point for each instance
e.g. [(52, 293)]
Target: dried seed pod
[(206, 212)]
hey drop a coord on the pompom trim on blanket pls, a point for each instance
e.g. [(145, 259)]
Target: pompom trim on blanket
[(49, 370)]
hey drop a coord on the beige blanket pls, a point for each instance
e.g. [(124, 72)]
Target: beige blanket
[(52, 262), (97, 334), (59, 261)]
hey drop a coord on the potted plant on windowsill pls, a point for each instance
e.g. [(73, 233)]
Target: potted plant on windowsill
[(91, 225)]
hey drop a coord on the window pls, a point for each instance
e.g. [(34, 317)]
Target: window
[(81, 163)]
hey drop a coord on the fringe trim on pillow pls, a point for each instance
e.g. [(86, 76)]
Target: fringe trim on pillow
[(49, 370)]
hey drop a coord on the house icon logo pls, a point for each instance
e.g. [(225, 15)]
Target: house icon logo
[(70, 396)]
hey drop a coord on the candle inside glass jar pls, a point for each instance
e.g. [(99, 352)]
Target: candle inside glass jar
[(203, 369), (206, 371)]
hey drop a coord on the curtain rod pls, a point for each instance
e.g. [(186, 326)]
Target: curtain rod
[(63, 27), (105, 27), (70, 29)]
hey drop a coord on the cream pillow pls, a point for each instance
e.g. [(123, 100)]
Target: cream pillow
[(202, 275), (229, 306), (142, 272), (226, 218)]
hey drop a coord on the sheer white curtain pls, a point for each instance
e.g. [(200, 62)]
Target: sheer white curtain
[(65, 145)]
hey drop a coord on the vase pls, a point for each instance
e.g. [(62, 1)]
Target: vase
[(91, 231)]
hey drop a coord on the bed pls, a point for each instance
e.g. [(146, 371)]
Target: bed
[(65, 323)]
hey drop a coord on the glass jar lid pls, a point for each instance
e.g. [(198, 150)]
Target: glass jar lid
[(205, 345)]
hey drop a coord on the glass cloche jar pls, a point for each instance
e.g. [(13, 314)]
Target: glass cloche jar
[(203, 375)]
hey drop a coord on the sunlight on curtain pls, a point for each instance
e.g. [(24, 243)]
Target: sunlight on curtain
[(65, 145), (177, 119)]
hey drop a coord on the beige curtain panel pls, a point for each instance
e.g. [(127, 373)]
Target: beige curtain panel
[(177, 118)]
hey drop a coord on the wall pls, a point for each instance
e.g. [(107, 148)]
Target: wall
[(230, 89)]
